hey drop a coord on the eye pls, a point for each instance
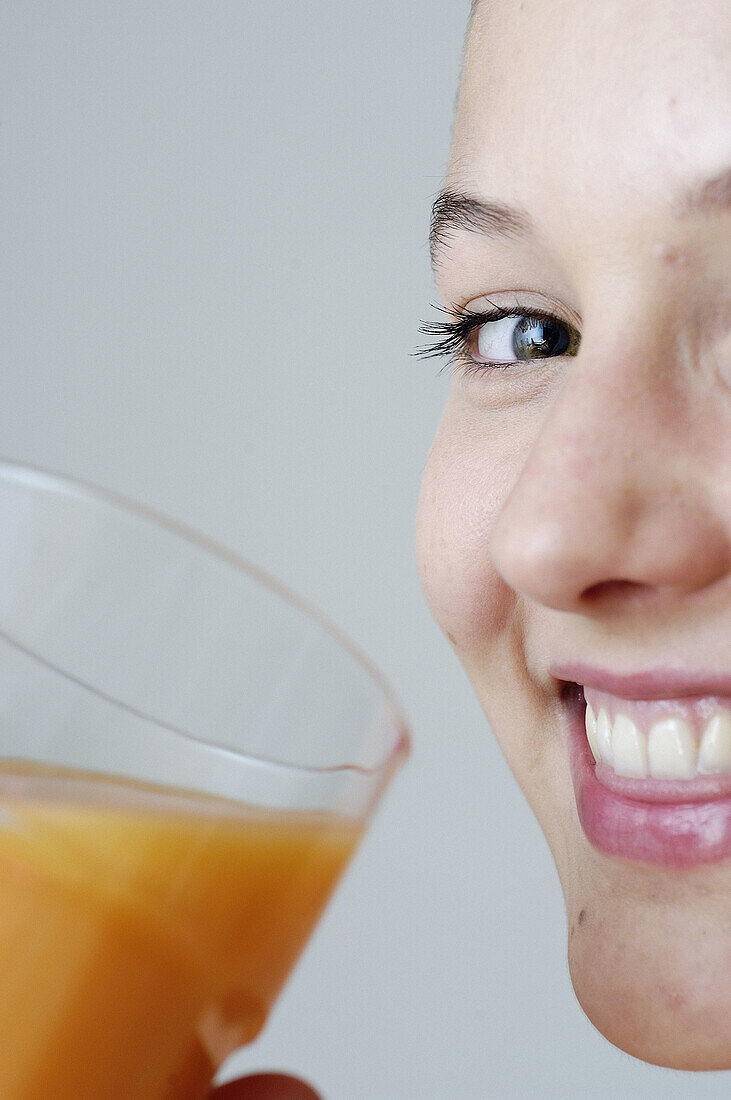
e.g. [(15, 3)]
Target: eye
[(524, 336), (481, 339)]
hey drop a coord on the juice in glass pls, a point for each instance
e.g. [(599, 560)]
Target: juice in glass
[(189, 753), (145, 931)]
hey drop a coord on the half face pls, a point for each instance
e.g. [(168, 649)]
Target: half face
[(574, 528)]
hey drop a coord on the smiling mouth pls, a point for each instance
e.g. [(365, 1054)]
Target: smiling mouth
[(670, 739), (651, 776)]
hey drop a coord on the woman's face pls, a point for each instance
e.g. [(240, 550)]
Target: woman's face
[(575, 519)]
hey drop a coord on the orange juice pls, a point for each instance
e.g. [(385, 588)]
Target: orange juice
[(144, 932)]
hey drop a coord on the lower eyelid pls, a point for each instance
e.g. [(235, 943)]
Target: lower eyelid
[(468, 363)]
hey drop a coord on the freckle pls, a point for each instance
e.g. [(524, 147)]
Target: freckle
[(452, 639), (582, 916)]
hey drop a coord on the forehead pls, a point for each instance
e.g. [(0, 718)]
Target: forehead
[(600, 107)]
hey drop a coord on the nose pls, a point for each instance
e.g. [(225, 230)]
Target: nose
[(619, 491)]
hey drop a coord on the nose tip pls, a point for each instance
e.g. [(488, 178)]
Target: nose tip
[(566, 543)]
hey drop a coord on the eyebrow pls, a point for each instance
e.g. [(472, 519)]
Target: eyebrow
[(459, 211)]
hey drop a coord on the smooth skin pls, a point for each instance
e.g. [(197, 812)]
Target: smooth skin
[(578, 508)]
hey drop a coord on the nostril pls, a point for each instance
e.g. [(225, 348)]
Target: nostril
[(619, 589)]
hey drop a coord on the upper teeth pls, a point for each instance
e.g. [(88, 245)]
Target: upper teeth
[(669, 751)]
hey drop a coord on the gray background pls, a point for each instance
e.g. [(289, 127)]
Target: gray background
[(214, 226)]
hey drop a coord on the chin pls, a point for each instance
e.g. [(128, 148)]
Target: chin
[(659, 1026), (649, 955)]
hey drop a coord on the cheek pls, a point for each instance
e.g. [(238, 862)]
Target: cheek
[(461, 496), (469, 474)]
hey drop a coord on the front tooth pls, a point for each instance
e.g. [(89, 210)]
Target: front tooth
[(715, 754), (604, 736), (629, 748), (672, 750), (591, 733)]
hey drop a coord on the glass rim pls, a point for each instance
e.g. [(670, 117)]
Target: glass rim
[(64, 484)]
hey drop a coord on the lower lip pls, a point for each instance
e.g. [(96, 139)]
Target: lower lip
[(680, 833)]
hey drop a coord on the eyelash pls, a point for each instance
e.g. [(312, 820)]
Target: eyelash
[(455, 342)]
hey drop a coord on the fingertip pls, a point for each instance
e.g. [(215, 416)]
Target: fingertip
[(266, 1086)]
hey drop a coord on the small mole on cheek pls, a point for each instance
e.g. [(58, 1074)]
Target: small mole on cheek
[(452, 639), (579, 921)]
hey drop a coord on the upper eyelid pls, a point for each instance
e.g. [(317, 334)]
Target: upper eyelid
[(500, 312), (534, 302), (552, 309)]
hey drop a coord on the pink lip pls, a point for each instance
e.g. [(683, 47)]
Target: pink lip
[(704, 788), (653, 825), (652, 684)]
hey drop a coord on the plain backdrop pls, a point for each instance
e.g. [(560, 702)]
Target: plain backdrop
[(214, 261)]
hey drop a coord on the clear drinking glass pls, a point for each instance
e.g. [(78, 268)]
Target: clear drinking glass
[(188, 757)]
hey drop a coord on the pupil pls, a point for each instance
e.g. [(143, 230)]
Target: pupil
[(534, 338)]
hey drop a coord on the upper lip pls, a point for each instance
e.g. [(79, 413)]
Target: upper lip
[(653, 683)]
